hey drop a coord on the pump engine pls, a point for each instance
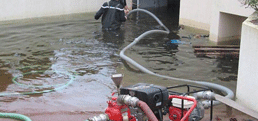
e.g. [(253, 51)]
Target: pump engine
[(156, 97), (125, 107)]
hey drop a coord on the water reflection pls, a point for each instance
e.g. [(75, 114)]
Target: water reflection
[(113, 39), (66, 45), (69, 46), (5, 76)]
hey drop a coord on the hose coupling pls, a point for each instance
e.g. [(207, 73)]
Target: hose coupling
[(128, 100), (101, 117), (206, 95)]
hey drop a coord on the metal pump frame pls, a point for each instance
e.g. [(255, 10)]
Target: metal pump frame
[(200, 89)]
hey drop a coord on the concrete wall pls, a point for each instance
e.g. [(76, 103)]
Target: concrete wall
[(21, 9), (229, 28), (247, 81), (195, 13), (222, 18), (226, 19), (227, 15)]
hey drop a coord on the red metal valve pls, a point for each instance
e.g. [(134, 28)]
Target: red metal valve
[(118, 112)]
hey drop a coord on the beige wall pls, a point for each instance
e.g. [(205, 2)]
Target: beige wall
[(229, 28), (247, 82), (227, 15), (216, 16), (226, 19), (195, 13), (20, 9)]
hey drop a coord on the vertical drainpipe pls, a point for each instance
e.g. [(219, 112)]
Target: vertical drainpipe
[(137, 16), (138, 3)]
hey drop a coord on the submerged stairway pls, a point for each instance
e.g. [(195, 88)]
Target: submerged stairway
[(219, 51)]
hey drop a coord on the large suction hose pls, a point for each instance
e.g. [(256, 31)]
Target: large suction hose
[(151, 14), (229, 93)]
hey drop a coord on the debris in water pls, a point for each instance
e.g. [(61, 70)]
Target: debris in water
[(173, 44)]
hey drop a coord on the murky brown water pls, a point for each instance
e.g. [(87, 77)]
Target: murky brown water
[(76, 45), (54, 45)]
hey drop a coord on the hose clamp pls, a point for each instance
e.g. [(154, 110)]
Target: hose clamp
[(101, 117), (128, 100), (206, 95)]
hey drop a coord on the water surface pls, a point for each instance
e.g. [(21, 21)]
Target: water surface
[(44, 51)]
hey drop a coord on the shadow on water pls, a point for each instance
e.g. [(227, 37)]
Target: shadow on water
[(228, 66), (5, 76), (114, 39)]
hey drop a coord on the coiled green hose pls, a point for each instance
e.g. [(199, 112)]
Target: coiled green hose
[(58, 87), (15, 116)]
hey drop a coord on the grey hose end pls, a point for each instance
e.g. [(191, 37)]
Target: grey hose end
[(128, 100), (206, 95), (207, 104), (209, 96), (101, 117)]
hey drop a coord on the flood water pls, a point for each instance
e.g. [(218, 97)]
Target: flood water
[(45, 51)]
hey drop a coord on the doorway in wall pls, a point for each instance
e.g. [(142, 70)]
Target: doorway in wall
[(230, 28), (166, 10), (173, 8), (149, 3)]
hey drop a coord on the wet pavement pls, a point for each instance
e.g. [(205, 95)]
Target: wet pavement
[(44, 51)]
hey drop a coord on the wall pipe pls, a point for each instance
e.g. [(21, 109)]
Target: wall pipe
[(229, 93)]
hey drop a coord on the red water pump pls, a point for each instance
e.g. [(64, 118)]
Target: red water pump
[(118, 112), (175, 114), (142, 102), (179, 113)]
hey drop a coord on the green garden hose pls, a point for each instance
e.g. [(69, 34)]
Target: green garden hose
[(14, 80), (15, 116), (58, 86)]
